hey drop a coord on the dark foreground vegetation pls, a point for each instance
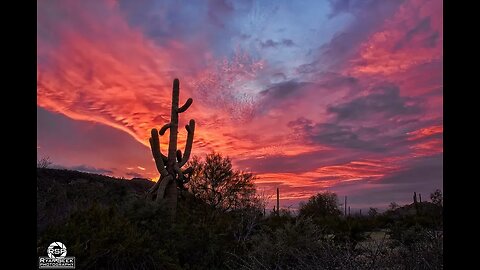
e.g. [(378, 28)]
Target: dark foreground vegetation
[(107, 223)]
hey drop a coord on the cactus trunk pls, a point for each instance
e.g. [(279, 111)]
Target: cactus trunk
[(415, 203), (172, 145)]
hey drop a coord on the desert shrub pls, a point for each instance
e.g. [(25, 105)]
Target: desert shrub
[(216, 183), (102, 238), (416, 248), (322, 205), (351, 231), (299, 245)]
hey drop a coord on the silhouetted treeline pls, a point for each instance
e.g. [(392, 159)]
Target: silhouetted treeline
[(220, 224)]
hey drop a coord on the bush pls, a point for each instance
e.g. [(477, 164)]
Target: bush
[(102, 238)]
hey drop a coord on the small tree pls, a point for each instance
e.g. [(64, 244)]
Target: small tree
[(437, 197), (44, 163), (215, 182), (393, 206), (372, 212), (321, 205)]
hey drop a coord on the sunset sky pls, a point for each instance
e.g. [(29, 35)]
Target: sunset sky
[(344, 96)]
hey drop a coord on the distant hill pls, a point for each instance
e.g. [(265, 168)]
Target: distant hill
[(423, 208), (60, 192)]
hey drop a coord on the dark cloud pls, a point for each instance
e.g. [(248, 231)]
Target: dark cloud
[(333, 80), (424, 28), (345, 136), (342, 136), (279, 77), (284, 89), (245, 36), (307, 68), (422, 173), (385, 100), (219, 11), (377, 122), (432, 40), (340, 44), (269, 44), (291, 88), (288, 42), (274, 44)]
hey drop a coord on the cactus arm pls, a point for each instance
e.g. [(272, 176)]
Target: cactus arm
[(157, 155), (164, 128), (185, 106), (188, 147), (161, 132)]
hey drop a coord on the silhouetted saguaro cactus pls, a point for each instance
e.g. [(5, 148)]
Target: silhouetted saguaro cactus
[(278, 202), (415, 203), (171, 174)]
